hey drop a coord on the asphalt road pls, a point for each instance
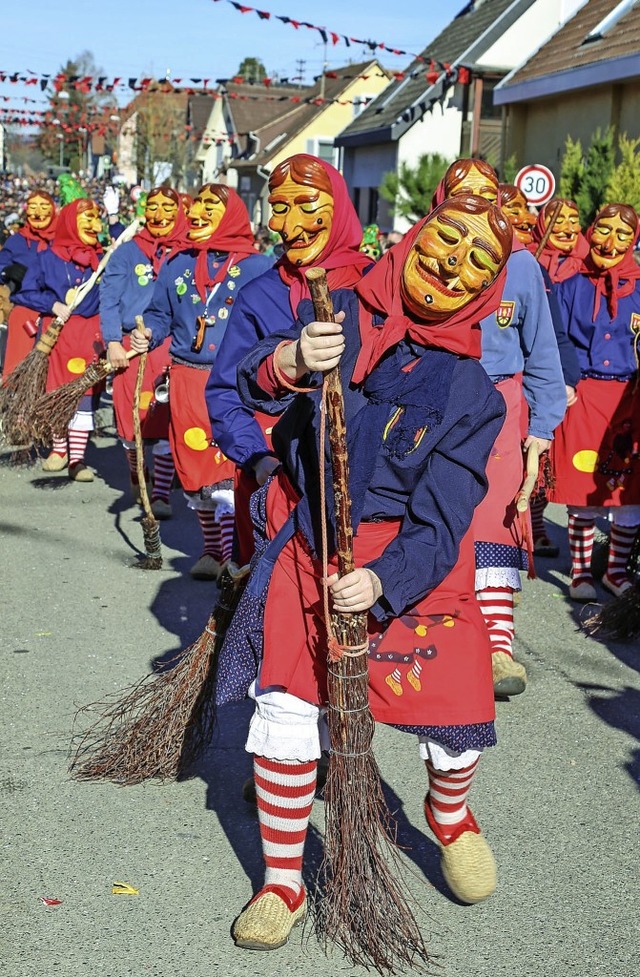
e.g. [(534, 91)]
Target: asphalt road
[(557, 798)]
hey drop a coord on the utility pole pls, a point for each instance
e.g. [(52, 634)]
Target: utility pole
[(300, 66), (324, 68)]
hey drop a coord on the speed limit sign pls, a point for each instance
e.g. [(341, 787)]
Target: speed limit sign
[(537, 183)]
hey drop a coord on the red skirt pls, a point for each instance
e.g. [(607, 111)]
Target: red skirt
[(496, 519), (595, 456), (154, 417), (78, 346), (244, 486), (20, 340), (431, 666), (197, 462)]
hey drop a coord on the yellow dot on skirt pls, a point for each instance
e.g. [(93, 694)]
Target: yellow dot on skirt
[(585, 460), (145, 399), (421, 630), (447, 621), (76, 365), (196, 439)]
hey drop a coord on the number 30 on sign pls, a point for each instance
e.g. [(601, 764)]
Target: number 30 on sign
[(537, 183)]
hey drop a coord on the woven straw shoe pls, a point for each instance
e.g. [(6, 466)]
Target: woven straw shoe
[(161, 509), (269, 918), (466, 860), (509, 676), (582, 592), (544, 547), (55, 463), (206, 568), (617, 589), (78, 472)]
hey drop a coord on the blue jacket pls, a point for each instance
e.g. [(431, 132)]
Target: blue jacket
[(126, 290), (568, 355), (19, 251), (262, 308), (176, 305), (519, 338), (605, 347), (57, 276), (427, 468)]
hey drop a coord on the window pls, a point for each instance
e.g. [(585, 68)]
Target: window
[(322, 148), (360, 103)]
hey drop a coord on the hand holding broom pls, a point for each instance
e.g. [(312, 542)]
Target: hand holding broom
[(22, 389), (363, 910)]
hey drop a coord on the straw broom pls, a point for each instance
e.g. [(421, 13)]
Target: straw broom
[(27, 383), (159, 727), (52, 413), (619, 620), (364, 909), (150, 525)]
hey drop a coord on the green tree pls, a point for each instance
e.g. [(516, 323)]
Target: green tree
[(410, 191), (571, 170), (510, 169), (251, 69), (624, 184), (74, 109), (598, 169)]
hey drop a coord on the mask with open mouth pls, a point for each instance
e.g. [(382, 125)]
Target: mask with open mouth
[(88, 223), (566, 226), (458, 253), (161, 212), (39, 212), (613, 233), (206, 212), (513, 205)]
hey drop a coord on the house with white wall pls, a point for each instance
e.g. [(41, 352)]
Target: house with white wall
[(443, 102)]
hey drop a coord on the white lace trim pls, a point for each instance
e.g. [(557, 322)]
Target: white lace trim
[(444, 759), (82, 420), (498, 577)]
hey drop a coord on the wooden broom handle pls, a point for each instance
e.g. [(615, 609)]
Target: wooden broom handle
[(323, 311), (553, 213), (531, 477), (137, 432)]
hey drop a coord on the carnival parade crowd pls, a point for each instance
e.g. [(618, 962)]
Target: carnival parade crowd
[(485, 344)]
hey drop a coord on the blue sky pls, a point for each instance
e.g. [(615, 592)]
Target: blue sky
[(200, 38)]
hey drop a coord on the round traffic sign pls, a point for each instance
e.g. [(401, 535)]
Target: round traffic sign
[(537, 183)]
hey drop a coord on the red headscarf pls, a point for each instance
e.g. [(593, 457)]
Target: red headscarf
[(341, 258), (614, 283), (156, 249), (233, 235), (67, 244), (46, 234), (381, 293), (559, 264)]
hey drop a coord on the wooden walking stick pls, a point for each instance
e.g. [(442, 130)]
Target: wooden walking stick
[(159, 727), (531, 477), (150, 525), (553, 213), (21, 390), (364, 909)]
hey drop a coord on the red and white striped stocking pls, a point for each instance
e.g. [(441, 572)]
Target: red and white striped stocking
[(211, 533), (59, 446), (537, 505), (77, 446), (581, 535), (227, 524), (448, 792), (284, 794), (496, 604), (620, 543), (163, 472)]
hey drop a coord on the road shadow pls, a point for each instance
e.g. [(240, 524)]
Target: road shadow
[(619, 708)]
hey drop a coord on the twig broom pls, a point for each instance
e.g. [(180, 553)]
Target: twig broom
[(363, 909), (619, 620), (21, 390), (158, 727)]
